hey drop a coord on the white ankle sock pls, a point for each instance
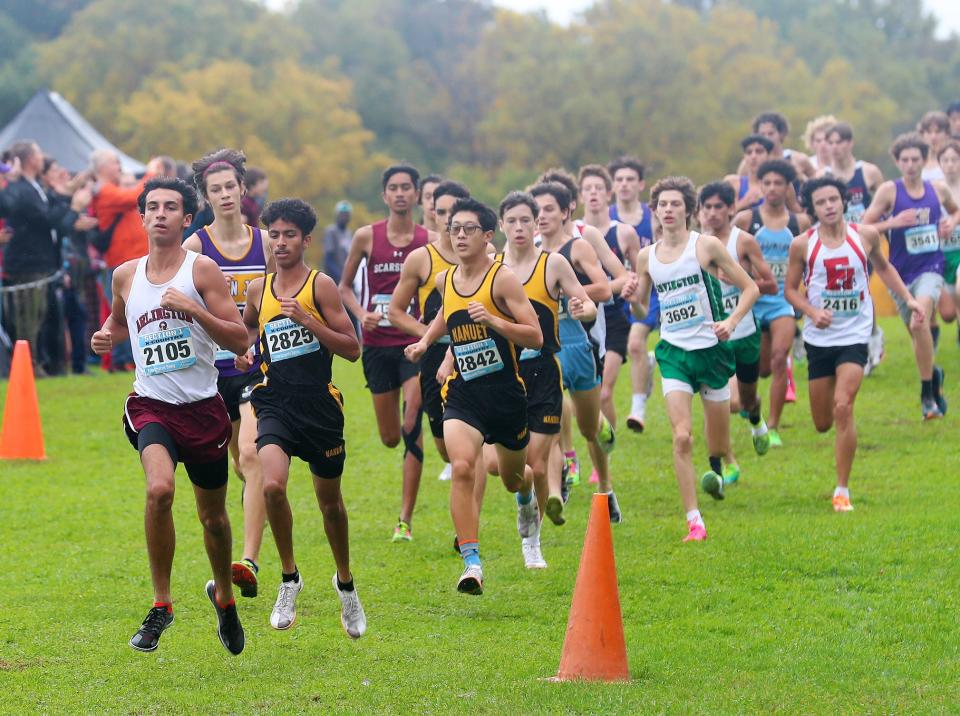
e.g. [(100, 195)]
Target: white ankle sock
[(639, 404), (845, 491), (695, 516)]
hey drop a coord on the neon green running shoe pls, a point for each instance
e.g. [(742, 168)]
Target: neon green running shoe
[(761, 443), (731, 473), (572, 465), (774, 436), (402, 532), (712, 484), (606, 436)]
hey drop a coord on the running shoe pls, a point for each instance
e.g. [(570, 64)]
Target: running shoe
[(761, 440), (791, 395), (456, 545), (528, 516), (352, 618), (775, 440), (799, 349), (613, 506), (446, 473), (572, 463), (731, 473), (938, 379), (471, 581), (929, 409), (284, 612), (696, 532), (564, 483), (402, 532), (606, 436), (532, 556), (244, 575), (712, 484), (228, 623), (841, 503), (554, 509), (594, 477), (635, 423), (147, 637)]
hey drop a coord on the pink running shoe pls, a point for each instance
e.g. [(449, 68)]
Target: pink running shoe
[(791, 396), (697, 533), (594, 477)]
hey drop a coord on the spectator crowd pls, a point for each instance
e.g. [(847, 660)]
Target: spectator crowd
[(61, 238)]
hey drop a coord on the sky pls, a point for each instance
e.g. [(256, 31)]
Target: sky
[(948, 11)]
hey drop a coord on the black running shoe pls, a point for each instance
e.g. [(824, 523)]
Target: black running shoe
[(938, 380), (148, 635), (456, 545), (564, 485), (228, 623)]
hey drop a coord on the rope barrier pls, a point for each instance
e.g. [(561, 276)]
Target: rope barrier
[(39, 283)]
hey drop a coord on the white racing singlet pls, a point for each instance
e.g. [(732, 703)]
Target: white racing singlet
[(690, 298), (837, 279), (173, 353), (731, 294)]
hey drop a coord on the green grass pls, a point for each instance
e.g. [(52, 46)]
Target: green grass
[(787, 608)]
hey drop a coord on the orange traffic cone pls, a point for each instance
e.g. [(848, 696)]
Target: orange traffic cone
[(594, 648), (21, 436)]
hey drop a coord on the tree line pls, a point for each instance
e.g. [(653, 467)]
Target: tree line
[(323, 95)]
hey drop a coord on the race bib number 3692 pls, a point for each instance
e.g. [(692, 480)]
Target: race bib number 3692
[(167, 351), (288, 339), (683, 311)]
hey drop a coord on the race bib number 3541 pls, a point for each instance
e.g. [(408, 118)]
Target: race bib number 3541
[(921, 239), (288, 339), (167, 351)]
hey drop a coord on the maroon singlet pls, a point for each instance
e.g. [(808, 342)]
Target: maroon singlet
[(383, 274)]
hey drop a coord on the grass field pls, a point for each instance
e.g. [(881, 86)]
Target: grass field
[(788, 607)]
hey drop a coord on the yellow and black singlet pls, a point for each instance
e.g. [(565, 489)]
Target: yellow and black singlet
[(546, 306), (292, 355), (427, 295), (483, 357)]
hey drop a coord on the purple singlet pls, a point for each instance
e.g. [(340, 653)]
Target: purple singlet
[(916, 249), (242, 270)]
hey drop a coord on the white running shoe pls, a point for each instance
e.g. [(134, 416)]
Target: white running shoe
[(471, 581), (284, 612), (799, 349), (351, 611), (651, 364), (532, 556), (446, 473), (528, 516)]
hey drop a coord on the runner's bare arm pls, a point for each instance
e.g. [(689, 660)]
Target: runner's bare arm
[(949, 222), (560, 275), (887, 273), (791, 286), (359, 247), (752, 261), (719, 258), (437, 327), (114, 329), (192, 243), (881, 205), (507, 292), (411, 278), (640, 302), (335, 331), (583, 256), (251, 311), (219, 317)]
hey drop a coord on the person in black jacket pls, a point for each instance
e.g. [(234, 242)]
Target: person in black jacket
[(33, 253)]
